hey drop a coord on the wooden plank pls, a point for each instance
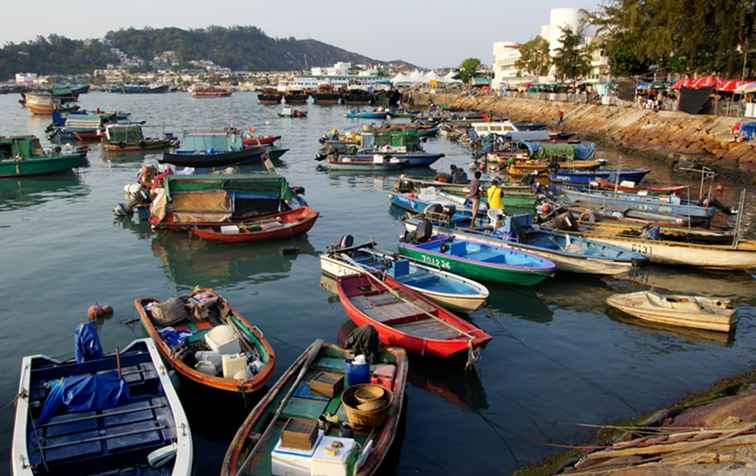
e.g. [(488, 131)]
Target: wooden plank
[(672, 447)]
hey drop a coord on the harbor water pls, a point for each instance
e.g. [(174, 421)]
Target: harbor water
[(558, 358)]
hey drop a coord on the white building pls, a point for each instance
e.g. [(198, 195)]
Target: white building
[(506, 73)]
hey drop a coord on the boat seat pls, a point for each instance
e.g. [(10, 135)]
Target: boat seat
[(487, 255), (427, 328), (458, 248)]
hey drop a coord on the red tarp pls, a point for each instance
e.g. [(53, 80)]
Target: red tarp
[(726, 85)]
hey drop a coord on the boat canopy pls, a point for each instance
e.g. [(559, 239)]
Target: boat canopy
[(545, 150), (263, 185), (24, 146), (125, 133), (217, 142)]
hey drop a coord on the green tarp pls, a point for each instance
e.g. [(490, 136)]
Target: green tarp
[(263, 184)]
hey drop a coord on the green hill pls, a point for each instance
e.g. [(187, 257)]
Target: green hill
[(238, 48)]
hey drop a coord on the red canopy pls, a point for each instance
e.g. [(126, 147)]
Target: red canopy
[(730, 85), (726, 85)]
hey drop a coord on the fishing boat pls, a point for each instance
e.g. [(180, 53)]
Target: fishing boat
[(23, 155), (449, 290), (41, 103), (479, 261), (210, 92), (284, 225), (292, 113), (154, 88), (326, 95), (295, 97), (213, 148), (414, 159), (668, 205), (404, 318), (457, 207), (376, 114), (698, 312), (251, 450), (570, 253), (202, 200), (269, 97), (585, 177), (363, 163), (356, 97), (541, 167), (207, 341), (120, 413), (739, 255), (130, 137)]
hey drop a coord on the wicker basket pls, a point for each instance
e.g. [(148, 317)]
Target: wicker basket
[(361, 418)]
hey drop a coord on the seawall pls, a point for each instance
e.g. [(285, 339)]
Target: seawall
[(671, 136)]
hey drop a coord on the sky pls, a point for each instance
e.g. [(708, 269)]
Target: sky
[(429, 33)]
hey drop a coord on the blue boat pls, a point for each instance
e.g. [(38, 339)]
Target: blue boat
[(670, 205), (413, 203), (357, 114), (570, 253), (584, 177), (100, 414), (219, 148), (479, 261), (449, 290)]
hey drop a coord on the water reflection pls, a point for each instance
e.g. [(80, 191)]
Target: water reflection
[(189, 261), (575, 292), (16, 193), (518, 302), (690, 335)]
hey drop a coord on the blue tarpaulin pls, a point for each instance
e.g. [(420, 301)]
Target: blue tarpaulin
[(84, 393), (748, 130), (87, 343)]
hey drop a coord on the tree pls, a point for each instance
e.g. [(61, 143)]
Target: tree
[(534, 57), (572, 60), (683, 36), (468, 68)]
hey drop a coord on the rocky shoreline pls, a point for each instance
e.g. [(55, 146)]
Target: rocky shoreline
[(675, 137)]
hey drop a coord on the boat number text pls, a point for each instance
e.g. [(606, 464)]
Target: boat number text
[(436, 262), (642, 248)]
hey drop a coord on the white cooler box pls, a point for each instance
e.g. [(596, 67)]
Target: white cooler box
[(331, 463), (293, 462)]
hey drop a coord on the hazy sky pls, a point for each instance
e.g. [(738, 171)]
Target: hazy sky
[(430, 33)]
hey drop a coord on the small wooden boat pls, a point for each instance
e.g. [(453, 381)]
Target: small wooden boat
[(357, 114), (711, 314), (449, 290), (405, 319), (414, 159), (585, 177), (284, 225), (538, 167), (672, 205), (215, 148), (179, 342), (129, 137), (22, 156), (570, 253), (250, 450), (740, 256), (363, 163), (480, 261), (123, 434)]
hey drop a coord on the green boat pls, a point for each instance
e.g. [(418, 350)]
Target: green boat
[(258, 446), (479, 261), (21, 156), (275, 153)]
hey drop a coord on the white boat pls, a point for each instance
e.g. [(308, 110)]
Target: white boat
[(711, 314), (148, 432), (454, 292), (742, 256)]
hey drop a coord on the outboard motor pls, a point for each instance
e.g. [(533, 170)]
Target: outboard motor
[(346, 241), (423, 232), (122, 211)]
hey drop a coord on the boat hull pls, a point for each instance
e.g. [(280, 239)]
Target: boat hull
[(635, 202), (247, 156), (586, 177), (297, 222), (674, 318), (41, 166)]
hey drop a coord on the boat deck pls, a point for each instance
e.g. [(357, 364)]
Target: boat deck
[(405, 317)]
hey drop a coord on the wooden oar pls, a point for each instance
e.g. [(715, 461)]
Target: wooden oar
[(394, 293), (313, 353)]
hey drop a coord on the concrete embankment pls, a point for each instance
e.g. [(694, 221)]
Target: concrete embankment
[(673, 136)]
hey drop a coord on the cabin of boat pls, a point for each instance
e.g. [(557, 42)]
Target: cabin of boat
[(205, 200), (126, 137)]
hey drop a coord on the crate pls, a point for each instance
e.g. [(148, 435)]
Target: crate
[(299, 434), (327, 383)]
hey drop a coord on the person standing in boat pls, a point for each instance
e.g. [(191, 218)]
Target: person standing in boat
[(495, 202), (474, 196)]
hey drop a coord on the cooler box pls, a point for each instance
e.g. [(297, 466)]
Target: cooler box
[(292, 462), (330, 460), (233, 363), (223, 339)]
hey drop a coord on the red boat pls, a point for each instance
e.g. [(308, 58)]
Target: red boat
[(283, 225), (404, 318), (248, 138), (607, 185)]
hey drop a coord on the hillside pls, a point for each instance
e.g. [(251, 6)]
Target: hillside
[(239, 48)]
